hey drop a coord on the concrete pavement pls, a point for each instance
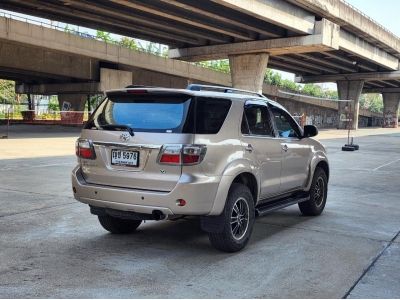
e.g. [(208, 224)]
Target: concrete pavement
[(51, 246)]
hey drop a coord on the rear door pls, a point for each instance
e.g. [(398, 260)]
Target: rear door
[(296, 153), (131, 160), (261, 147)]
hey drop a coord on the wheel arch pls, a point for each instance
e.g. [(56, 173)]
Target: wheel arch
[(239, 172), (319, 161), (248, 179)]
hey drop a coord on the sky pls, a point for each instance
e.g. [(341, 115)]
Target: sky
[(385, 12)]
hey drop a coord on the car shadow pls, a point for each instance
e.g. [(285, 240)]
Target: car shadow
[(183, 234)]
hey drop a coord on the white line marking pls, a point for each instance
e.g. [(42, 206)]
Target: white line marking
[(36, 166), (389, 163)]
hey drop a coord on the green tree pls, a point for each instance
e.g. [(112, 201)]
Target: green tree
[(128, 43), (104, 36), (372, 102), (7, 91)]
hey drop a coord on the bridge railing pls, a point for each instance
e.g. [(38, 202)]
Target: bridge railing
[(367, 17)]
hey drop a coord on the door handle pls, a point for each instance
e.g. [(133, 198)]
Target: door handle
[(249, 148), (285, 147)]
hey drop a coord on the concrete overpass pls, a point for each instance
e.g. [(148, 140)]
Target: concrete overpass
[(319, 40), (47, 61)]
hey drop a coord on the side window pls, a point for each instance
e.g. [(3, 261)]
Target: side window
[(285, 124), (211, 114), (256, 121)]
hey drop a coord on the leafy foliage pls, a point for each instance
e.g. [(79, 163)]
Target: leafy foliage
[(372, 102), (128, 43), (7, 91), (218, 65)]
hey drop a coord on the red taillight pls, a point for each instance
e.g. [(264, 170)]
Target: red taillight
[(192, 154), (170, 154), (170, 158), (182, 154), (84, 149)]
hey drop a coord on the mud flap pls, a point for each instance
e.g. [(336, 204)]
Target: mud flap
[(212, 224)]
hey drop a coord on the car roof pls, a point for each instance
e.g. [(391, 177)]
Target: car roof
[(203, 93)]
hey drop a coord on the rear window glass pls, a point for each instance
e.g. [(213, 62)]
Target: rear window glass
[(211, 114), (169, 113)]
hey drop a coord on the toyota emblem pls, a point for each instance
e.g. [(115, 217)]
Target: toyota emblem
[(125, 136)]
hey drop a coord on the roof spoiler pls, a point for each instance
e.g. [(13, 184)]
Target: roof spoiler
[(221, 89)]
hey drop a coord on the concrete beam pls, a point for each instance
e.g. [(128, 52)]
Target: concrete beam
[(59, 88), (39, 60), (349, 90), (234, 18), (75, 102), (114, 79), (58, 41), (352, 19), (381, 90), (370, 76), (391, 103), (360, 47), (109, 79), (325, 37), (277, 12)]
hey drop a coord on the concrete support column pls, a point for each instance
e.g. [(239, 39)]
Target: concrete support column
[(248, 70), (75, 102), (391, 103), (72, 107), (114, 79), (349, 90)]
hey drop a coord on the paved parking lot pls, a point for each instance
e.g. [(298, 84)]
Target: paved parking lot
[(51, 246)]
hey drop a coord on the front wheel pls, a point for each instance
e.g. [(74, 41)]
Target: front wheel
[(318, 193), (238, 220), (117, 225)]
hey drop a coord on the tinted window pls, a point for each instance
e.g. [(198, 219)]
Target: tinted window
[(169, 113), (285, 124), (211, 114), (256, 121), (148, 113)]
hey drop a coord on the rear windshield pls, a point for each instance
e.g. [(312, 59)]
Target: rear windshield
[(169, 113)]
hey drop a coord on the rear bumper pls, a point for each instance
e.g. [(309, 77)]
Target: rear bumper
[(199, 193)]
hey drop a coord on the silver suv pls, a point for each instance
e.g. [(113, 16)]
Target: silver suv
[(222, 154)]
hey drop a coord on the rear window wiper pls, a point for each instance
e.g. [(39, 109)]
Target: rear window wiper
[(118, 127)]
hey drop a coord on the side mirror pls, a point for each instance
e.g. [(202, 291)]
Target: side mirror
[(310, 131)]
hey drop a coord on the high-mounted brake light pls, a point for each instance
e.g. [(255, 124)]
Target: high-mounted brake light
[(138, 92), (176, 154), (84, 149)]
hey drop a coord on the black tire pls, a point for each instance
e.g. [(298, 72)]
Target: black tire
[(118, 226), (232, 238), (348, 148), (318, 194)]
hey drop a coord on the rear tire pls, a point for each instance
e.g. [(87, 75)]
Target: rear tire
[(318, 193), (238, 219), (118, 226)]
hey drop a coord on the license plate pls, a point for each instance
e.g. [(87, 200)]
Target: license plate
[(124, 158)]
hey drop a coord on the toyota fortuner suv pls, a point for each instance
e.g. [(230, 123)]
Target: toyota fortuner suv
[(222, 154)]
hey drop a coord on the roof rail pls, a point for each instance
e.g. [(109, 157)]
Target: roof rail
[(222, 89), (132, 86)]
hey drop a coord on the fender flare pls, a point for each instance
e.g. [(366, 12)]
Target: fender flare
[(234, 169), (317, 158)]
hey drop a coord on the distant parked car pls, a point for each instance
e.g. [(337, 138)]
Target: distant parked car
[(223, 154)]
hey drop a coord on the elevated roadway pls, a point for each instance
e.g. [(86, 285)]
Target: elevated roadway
[(315, 39)]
